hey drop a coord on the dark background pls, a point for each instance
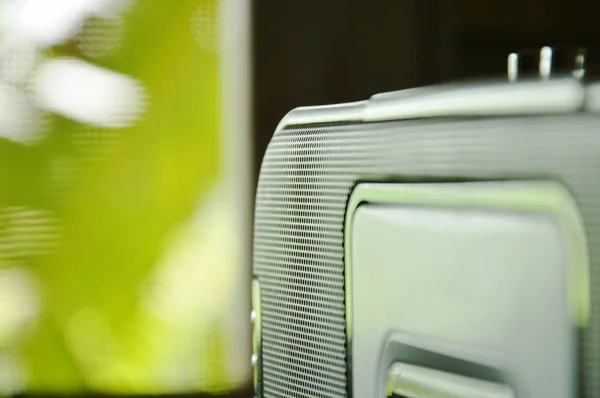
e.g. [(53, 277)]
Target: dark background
[(311, 52)]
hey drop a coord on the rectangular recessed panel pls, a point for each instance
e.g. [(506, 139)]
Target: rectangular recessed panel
[(307, 176), (471, 283)]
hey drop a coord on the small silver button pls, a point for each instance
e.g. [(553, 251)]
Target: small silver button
[(545, 62), (513, 67)]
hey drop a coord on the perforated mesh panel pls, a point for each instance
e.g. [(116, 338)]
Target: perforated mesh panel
[(307, 176)]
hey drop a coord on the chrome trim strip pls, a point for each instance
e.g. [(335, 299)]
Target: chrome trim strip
[(348, 112), (256, 319), (415, 382), (522, 98), (560, 95)]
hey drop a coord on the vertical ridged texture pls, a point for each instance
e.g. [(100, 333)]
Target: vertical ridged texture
[(306, 178)]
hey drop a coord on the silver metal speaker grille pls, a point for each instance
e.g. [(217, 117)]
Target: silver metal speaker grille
[(306, 178)]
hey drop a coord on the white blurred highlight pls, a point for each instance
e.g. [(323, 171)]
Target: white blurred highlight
[(47, 22), (18, 57), (19, 303), (205, 26), (88, 93), (19, 119), (12, 374), (196, 274)]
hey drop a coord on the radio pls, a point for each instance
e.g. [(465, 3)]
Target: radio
[(433, 242)]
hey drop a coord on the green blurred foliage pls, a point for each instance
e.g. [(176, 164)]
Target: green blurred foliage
[(115, 207)]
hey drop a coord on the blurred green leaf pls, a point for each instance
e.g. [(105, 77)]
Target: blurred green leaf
[(118, 210)]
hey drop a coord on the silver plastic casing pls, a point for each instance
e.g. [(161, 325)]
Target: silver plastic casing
[(474, 99), (542, 130)]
